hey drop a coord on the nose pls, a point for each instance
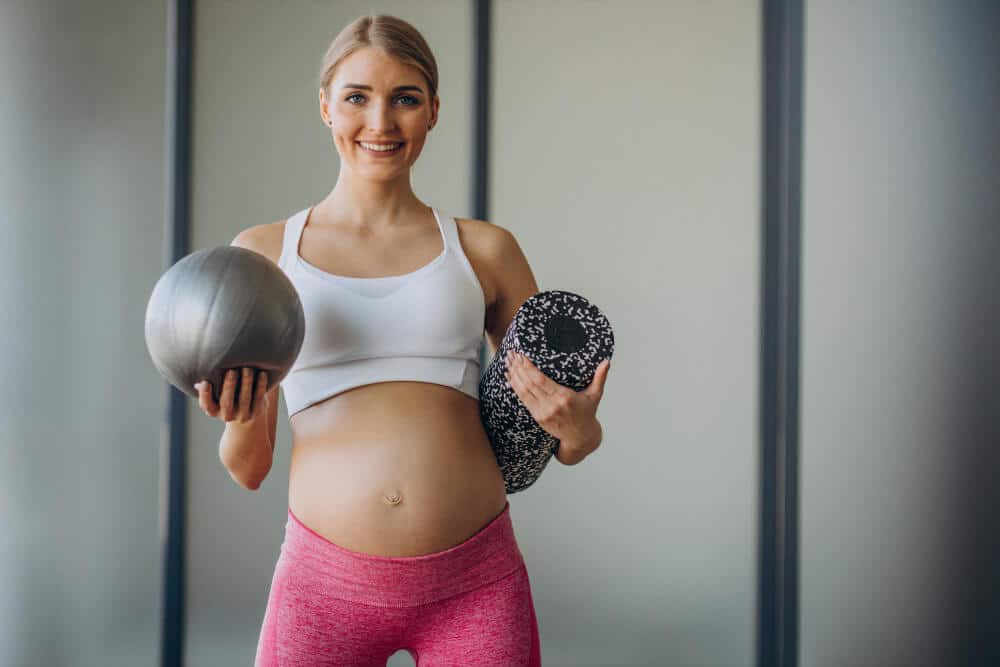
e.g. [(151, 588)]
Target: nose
[(380, 118)]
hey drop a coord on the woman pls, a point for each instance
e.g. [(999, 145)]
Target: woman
[(399, 533)]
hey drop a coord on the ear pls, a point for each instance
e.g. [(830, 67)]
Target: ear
[(324, 107), (435, 108)]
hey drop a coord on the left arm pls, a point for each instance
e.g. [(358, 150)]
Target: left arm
[(568, 415)]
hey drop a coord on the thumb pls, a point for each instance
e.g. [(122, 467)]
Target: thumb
[(596, 388)]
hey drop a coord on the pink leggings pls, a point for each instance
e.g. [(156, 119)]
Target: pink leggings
[(467, 605)]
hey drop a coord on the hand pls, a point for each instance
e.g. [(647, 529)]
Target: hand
[(566, 414), (251, 403)]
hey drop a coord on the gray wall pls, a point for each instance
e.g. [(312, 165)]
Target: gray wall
[(901, 242), (626, 149), (81, 245)]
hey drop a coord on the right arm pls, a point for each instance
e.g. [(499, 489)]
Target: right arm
[(246, 448)]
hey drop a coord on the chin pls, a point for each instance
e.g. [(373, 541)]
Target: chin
[(384, 175)]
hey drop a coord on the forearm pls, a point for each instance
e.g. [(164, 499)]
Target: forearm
[(246, 451)]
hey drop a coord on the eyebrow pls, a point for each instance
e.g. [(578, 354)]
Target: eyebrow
[(361, 86)]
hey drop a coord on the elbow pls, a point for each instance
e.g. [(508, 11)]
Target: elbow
[(249, 477), (248, 483), (568, 457)]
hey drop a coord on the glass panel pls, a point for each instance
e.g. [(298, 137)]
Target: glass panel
[(626, 161), (81, 245), (900, 322)]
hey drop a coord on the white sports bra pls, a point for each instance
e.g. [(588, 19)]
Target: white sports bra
[(426, 325)]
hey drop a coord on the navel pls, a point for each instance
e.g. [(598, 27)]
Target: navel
[(392, 497)]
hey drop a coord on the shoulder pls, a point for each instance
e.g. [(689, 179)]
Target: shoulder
[(483, 244), (487, 240), (494, 250), (510, 279), (265, 239)]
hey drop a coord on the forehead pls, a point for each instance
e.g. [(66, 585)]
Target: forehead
[(377, 68)]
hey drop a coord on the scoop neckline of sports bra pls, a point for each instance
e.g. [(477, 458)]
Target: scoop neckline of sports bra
[(334, 277)]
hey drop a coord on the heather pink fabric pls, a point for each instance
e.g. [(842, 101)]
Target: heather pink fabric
[(469, 605)]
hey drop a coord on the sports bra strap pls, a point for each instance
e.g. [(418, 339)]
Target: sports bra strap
[(450, 229), (290, 241)]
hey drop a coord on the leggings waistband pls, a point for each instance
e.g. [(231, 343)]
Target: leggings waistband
[(403, 581)]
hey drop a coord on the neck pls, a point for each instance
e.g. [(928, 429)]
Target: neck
[(370, 205)]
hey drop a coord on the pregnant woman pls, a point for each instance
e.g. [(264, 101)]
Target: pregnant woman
[(399, 534)]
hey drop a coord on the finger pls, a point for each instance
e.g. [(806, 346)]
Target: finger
[(596, 388), (226, 398), (532, 377), (604, 373), (523, 391), (260, 399), (245, 393), (205, 400)]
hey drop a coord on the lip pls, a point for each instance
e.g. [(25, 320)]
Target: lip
[(385, 154)]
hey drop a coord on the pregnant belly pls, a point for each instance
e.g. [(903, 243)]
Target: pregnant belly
[(394, 469)]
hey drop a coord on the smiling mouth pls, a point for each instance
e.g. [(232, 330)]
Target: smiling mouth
[(384, 148)]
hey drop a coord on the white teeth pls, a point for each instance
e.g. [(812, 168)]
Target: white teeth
[(380, 148)]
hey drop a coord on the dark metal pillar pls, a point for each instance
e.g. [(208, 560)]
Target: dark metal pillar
[(778, 580), (178, 148)]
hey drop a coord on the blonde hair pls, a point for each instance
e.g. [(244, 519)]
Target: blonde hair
[(388, 33)]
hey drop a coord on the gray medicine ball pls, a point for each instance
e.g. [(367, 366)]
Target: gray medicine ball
[(223, 308)]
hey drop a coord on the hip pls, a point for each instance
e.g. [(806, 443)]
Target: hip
[(490, 554)]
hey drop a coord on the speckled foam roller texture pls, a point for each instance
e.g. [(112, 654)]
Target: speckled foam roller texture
[(567, 338)]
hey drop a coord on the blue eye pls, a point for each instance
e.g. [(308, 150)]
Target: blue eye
[(413, 101)]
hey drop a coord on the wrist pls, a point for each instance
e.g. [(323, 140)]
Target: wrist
[(241, 435), (250, 425), (571, 452)]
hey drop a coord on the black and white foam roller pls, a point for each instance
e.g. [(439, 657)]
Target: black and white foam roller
[(567, 338)]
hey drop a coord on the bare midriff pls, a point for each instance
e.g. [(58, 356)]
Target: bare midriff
[(394, 469)]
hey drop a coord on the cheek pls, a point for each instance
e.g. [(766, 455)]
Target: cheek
[(345, 128), (416, 147), (344, 121)]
